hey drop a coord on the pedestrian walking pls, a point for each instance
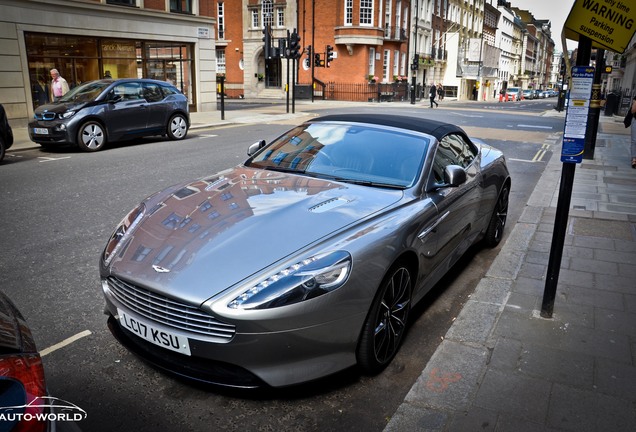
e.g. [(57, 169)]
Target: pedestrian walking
[(440, 92), (633, 131), (432, 93)]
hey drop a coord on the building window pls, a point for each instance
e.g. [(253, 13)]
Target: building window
[(268, 13), (348, 12), (280, 17), (386, 64), (371, 61), (181, 6), (366, 12), (220, 21), (256, 23), (122, 2), (220, 61), (396, 62)]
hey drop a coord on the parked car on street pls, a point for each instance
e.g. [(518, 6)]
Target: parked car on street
[(528, 94), (514, 93), (307, 258), (94, 113), (25, 404), (6, 133)]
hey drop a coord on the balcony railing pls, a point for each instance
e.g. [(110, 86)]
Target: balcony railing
[(394, 33)]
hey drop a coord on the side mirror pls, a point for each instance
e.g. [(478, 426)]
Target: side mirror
[(454, 175), (256, 147)]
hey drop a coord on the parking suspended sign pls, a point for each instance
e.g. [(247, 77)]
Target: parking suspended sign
[(576, 115), (608, 23)]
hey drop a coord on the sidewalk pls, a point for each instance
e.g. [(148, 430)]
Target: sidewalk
[(501, 367)]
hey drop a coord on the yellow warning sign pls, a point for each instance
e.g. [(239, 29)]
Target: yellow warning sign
[(608, 23)]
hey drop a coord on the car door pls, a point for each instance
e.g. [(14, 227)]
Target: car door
[(457, 206), (157, 107), (127, 115)]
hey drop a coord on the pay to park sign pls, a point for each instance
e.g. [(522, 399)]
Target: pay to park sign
[(576, 116), (608, 23)]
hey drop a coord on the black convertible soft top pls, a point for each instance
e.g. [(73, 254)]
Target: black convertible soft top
[(432, 127)]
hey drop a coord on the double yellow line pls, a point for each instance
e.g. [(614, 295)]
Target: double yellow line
[(542, 151)]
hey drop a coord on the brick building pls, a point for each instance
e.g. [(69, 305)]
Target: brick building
[(369, 39)]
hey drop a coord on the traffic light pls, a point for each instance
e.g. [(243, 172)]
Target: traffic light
[(294, 45), (562, 71), (308, 49), (328, 55), (318, 62), (267, 40)]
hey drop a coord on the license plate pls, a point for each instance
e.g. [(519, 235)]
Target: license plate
[(154, 334), (41, 131)]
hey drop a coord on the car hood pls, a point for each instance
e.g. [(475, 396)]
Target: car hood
[(60, 107), (198, 239)]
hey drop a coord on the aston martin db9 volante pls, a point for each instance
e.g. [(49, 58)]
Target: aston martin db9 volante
[(96, 112), (307, 258)]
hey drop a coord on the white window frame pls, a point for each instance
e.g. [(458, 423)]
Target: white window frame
[(366, 13), (386, 65), (372, 61), (396, 62), (220, 20), (220, 61), (267, 12), (256, 23), (348, 12), (280, 17)]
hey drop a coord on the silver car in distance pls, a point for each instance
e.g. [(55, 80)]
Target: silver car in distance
[(307, 258)]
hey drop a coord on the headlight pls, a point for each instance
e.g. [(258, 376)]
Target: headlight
[(304, 280), (67, 114), (122, 232)]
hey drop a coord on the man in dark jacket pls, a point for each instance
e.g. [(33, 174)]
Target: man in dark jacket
[(432, 94), (6, 134)]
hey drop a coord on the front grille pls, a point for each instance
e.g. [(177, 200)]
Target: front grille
[(45, 116), (169, 312)]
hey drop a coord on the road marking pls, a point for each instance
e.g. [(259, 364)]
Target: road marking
[(49, 159), (542, 151), (65, 342), (206, 136), (535, 126), (467, 115)]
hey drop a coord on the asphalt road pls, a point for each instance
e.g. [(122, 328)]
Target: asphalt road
[(60, 207)]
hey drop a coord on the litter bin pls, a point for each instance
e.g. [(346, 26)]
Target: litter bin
[(611, 104)]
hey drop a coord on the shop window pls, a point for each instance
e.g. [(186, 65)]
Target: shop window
[(181, 6)]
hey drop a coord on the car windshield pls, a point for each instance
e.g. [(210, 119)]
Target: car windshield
[(356, 153), (85, 92)]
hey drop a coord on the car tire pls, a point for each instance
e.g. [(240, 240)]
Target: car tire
[(385, 325), (177, 127), (494, 233), (2, 150), (91, 136)]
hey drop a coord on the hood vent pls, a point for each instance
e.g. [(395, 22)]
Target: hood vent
[(328, 205)]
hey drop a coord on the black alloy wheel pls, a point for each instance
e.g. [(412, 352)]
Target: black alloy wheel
[(495, 230), (385, 325)]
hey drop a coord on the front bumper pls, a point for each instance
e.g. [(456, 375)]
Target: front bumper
[(252, 360), (57, 132)]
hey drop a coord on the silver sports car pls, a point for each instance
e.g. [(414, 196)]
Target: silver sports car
[(307, 258)]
